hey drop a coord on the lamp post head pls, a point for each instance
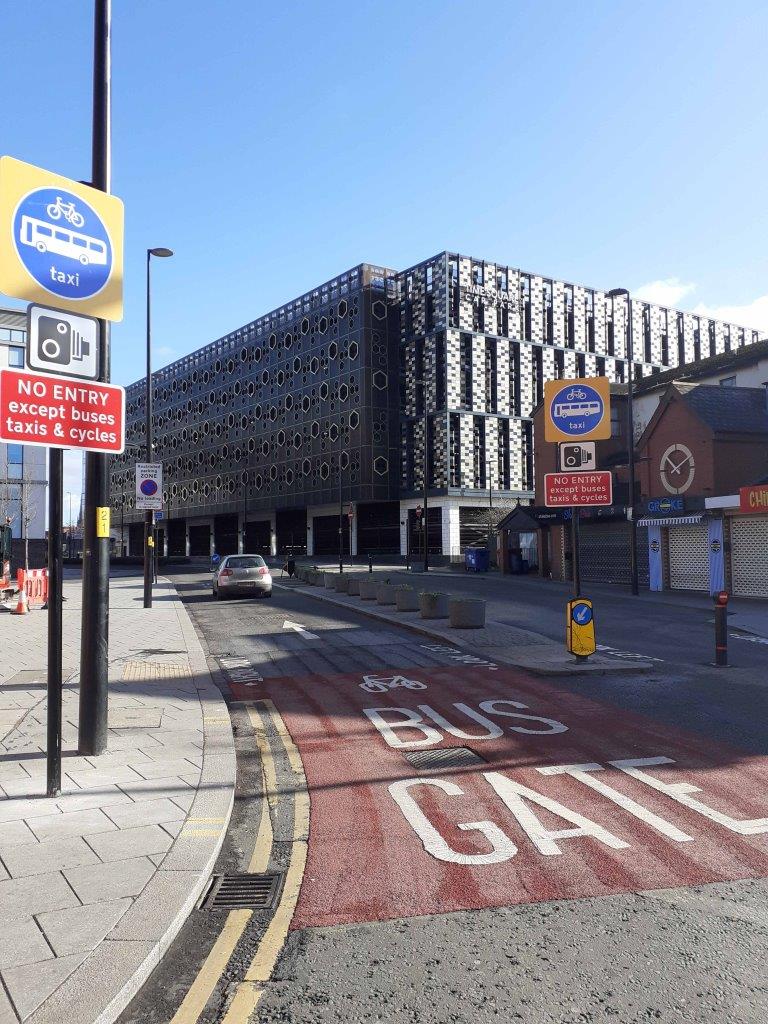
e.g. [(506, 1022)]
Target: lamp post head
[(160, 252)]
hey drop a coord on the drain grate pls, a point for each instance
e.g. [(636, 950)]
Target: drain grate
[(243, 892), (444, 757)]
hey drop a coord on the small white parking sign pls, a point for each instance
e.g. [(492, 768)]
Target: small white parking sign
[(63, 343)]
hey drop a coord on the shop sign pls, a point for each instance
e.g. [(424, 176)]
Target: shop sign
[(754, 499), (666, 506)]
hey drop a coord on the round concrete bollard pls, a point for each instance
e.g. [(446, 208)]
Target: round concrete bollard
[(433, 605), (329, 580), (406, 599), (466, 612), (385, 593), (342, 583), (368, 589), (353, 587)]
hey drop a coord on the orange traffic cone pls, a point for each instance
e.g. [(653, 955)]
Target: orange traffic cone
[(21, 607)]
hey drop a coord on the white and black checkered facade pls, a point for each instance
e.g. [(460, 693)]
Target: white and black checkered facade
[(335, 388)]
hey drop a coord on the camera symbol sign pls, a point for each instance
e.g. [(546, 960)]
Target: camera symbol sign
[(62, 343)]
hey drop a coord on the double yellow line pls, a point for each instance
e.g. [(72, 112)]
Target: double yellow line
[(250, 989)]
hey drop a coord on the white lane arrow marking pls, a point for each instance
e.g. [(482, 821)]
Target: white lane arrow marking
[(301, 630)]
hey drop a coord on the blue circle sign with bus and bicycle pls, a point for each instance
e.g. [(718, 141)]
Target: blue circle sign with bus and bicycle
[(577, 409), (148, 488), (63, 243)]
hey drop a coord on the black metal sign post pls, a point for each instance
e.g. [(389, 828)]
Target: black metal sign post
[(575, 560), (55, 572)]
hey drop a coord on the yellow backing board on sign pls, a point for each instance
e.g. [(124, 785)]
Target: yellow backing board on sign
[(61, 242), (577, 409)]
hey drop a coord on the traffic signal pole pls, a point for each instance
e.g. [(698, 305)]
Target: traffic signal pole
[(94, 653)]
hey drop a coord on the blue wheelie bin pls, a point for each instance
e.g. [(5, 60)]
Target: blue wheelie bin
[(477, 560)]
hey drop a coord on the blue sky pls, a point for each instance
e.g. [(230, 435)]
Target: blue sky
[(273, 146)]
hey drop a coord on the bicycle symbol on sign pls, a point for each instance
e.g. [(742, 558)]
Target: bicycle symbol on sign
[(576, 395), (380, 684), (66, 210)]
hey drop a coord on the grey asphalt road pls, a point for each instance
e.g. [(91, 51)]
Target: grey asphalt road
[(681, 954)]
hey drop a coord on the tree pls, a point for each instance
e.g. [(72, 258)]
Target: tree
[(27, 506)]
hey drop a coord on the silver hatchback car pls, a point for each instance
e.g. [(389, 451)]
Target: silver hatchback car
[(242, 574)]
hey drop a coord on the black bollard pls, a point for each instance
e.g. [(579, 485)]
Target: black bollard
[(370, 563), (721, 628)]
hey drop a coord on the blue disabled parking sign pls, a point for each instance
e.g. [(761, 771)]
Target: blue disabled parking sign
[(63, 243)]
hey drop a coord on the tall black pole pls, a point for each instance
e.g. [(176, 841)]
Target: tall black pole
[(341, 521), (55, 573), (631, 452), (426, 481), (94, 652), (149, 516), (575, 554)]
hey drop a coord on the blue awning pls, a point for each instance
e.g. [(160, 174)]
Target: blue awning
[(672, 520)]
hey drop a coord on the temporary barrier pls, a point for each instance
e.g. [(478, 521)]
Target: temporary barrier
[(33, 583)]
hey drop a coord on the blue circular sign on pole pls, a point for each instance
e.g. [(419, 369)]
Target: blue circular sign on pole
[(63, 243), (581, 613), (148, 487), (577, 409)]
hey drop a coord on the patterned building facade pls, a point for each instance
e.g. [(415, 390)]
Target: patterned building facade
[(329, 397)]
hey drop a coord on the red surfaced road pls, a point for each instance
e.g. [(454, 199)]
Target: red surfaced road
[(366, 862)]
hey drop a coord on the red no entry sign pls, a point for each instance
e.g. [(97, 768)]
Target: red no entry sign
[(572, 490), (61, 412)]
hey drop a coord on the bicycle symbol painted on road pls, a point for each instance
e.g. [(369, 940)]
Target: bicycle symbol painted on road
[(381, 684)]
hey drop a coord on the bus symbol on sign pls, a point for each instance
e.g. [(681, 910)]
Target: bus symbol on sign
[(577, 410), (63, 243)]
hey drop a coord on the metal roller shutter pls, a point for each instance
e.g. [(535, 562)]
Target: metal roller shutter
[(604, 549), (688, 557), (749, 556)]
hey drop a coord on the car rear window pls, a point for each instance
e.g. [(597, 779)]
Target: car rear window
[(245, 562)]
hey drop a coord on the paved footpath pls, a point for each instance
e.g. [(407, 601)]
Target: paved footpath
[(95, 884)]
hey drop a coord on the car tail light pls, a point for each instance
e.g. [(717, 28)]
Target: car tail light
[(263, 571), (226, 572)]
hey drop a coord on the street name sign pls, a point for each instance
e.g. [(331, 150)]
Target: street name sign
[(149, 486), (59, 412), (61, 242), (578, 409), (62, 343), (575, 490)]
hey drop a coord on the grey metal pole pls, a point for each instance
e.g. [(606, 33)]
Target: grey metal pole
[(631, 453), (94, 649), (341, 521), (149, 515)]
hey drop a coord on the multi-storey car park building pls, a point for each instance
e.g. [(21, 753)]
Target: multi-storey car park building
[(328, 398)]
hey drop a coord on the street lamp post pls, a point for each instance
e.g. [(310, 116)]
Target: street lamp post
[(149, 516), (341, 519), (630, 428), (425, 472)]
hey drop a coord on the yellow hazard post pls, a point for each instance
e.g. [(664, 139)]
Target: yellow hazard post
[(580, 628)]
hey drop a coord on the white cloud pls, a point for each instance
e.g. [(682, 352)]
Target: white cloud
[(752, 314), (666, 292)]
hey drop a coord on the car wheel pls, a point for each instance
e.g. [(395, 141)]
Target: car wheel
[(268, 594)]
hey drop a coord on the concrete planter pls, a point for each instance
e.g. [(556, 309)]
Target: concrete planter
[(385, 593), (368, 589), (406, 599), (342, 584), (433, 606), (353, 586), (466, 612), (329, 580)]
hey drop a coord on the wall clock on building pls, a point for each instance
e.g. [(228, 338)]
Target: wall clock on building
[(677, 469)]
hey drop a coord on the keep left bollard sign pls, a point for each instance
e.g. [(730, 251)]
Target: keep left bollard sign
[(61, 242), (60, 412)]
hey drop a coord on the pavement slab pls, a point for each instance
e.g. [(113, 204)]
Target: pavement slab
[(73, 866)]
